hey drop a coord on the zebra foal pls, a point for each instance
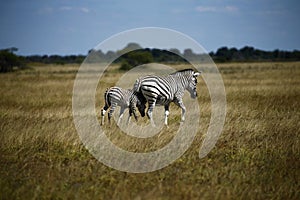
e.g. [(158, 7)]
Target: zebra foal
[(125, 98), (162, 90)]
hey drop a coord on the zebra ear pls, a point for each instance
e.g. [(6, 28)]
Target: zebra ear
[(196, 74)]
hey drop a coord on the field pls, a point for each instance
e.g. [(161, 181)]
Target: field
[(256, 157)]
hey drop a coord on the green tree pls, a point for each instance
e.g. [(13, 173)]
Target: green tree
[(135, 58), (8, 60)]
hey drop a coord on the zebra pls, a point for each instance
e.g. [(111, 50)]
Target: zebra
[(125, 98), (162, 90)]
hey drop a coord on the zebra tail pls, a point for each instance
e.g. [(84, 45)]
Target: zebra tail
[(136, 86)]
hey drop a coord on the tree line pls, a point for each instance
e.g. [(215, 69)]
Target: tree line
[(10, 60), (249, 54)]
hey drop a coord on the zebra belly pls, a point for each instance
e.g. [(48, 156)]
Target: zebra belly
[(161, 100), (154, 91)]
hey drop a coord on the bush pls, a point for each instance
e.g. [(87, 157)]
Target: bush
[(125, 66), (8, 60), (135, 58)]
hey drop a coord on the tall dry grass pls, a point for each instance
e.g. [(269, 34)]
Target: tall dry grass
[(256, 157)]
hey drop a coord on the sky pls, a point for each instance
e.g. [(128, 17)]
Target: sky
[(65, 27)]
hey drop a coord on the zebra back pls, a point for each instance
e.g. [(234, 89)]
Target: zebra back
[(164, 88), (117, 95), (121, 97)]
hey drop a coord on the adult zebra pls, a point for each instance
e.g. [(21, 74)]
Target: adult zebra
[(162, 90), (125, 98)]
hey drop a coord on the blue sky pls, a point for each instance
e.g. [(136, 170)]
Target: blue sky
[(74, 26)]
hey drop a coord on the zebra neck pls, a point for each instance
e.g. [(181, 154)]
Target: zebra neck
[(182, 81)]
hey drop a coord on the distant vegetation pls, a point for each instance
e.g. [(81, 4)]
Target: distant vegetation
[(9, 60), (247, 54), (133, 57), (56, 59), (174, 56)]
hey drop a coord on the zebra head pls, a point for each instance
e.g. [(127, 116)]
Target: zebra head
[(192, 85)]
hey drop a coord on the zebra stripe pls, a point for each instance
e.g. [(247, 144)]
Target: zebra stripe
[(162, 90), (125, 98)]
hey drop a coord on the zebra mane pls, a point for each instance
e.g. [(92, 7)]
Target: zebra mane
[(182, 71)]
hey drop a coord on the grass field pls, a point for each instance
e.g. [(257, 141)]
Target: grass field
[(256, 157)]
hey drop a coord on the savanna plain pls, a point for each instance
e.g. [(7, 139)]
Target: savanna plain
[(257, 155)]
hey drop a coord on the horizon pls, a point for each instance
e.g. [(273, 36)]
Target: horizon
[(115, 51), (73, 28)]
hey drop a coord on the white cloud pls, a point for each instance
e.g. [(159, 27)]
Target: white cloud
[(231, 8), (203, 9), (69, 8), (85, 10), (206, 9), (65, 8)]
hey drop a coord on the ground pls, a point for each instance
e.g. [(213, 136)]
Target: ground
[(256, 157)]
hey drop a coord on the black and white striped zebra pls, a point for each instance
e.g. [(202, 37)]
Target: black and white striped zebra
[(162, 90), (125, 98)]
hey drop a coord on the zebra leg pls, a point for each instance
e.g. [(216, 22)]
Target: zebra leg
[(111, 111), (132, 111), (121, 115), (166, 114), (150, 111), (103, 111), (129, 116), (183, 109), (128, 120)]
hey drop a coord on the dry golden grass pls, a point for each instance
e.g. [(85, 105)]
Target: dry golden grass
[(256, 157)]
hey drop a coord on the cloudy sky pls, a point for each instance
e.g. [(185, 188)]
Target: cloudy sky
[(75, 26)]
